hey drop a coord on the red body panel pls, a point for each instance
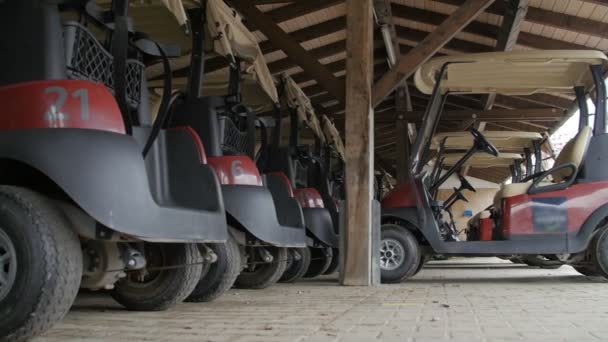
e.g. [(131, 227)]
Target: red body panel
[(402, 196), (309, 198), (197, 141), (236, 170), (285, 179), (556, 212), (486, 225), (60, 104)]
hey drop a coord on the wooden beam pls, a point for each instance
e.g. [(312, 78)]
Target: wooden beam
[(292, 49), (514, 14), (553, 19), (428, 47), (494, 115), (357, 236), (483, 29), (403, 101)]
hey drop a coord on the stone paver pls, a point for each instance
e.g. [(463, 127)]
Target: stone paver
[(458, 300)]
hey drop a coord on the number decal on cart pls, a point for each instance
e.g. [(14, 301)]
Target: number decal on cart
[(54, 113), (236, 168)]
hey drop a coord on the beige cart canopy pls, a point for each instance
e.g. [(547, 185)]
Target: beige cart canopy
[(502, 140), (225, 29), (483, 160), (511, 73), (332, 135), (296, 98)]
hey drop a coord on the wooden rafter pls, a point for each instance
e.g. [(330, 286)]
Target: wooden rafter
[(482, 29), (549, 18), (428, 47), (293, 50)]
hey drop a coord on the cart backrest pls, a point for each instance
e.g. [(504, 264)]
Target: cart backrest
[(573, 152)]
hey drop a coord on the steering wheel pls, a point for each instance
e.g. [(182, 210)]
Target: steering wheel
[(464, 184), (482, 143)]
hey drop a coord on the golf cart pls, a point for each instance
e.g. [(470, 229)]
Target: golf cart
[(220, 106), (542, 215), (527, 162), (296, 165), (92, 192)]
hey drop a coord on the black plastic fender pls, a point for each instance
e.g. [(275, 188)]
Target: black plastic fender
[(104, 173), (579, 241), (320, 225), (288, 209), (253, 208)]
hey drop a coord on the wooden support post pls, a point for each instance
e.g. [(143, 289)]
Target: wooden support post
[(357, 237), (403, 141), (403, 101)]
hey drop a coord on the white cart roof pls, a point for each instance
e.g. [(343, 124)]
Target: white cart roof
[(511, 73), (483, 160), (296, 98), (333, 136), (500, 139)]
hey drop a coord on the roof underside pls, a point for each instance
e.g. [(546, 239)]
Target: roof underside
[(320, 27)]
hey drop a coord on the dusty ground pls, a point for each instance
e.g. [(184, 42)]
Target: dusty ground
[(459, 300)]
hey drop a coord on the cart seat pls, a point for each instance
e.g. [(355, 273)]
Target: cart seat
[(480, 215), (573, 152)]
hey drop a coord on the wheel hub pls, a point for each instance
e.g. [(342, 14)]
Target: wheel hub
[(392, 254), (8, 264)]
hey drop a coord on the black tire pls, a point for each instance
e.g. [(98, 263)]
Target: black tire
[(599, 251), (47, 264), (296, 268), (543, 262), (335, 262), (401, 236), (263, 275), (423, 261), (160, 289), (320, 259), (589, 271), (219, 276)]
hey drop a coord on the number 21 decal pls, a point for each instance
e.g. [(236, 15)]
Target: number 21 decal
[(54, 112)]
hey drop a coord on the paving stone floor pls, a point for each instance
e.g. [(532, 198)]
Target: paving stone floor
[(459, 300)]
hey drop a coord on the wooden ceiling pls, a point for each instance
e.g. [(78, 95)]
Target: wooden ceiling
[(307, 39)]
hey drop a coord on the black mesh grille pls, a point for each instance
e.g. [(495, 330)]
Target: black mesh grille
[(235, 141), (86, 59)]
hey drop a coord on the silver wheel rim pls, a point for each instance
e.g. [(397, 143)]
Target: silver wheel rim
[(8, 265), (392, 254)]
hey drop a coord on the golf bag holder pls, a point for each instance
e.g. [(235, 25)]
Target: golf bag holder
[(250, 206)]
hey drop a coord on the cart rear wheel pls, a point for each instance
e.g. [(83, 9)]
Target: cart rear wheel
[(219, 276), (399, 254), (320, 260), (298, 261), (335, 262), (599, 251), (260, 275), (156, 289), (40, 264)]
